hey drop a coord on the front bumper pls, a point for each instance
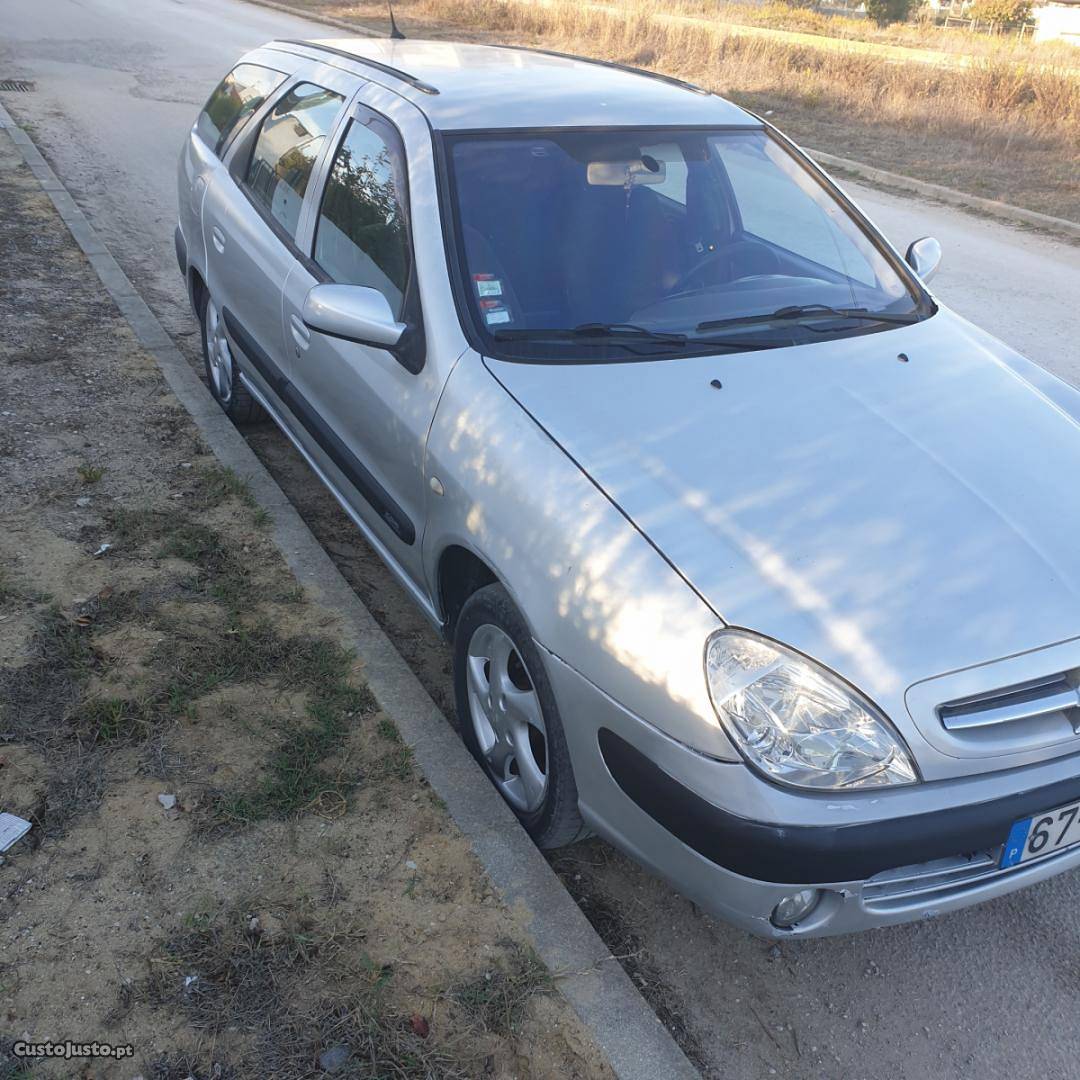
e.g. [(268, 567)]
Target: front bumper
[(736, 844)]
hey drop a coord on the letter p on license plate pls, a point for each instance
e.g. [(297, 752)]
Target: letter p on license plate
[(1042, 835)]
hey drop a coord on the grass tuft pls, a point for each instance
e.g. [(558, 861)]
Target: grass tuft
[(216, 484), (226, 970), (90, 474), (115, 720), (61, 656), (295, 778), (496, 1000)]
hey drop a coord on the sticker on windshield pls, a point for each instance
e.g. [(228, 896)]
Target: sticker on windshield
[(487, 285), (494, 316)]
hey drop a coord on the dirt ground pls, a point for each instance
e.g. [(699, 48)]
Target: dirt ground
[(233, 865)]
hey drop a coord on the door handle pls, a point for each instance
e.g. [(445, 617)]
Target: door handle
[(301, 334), (219, 239)]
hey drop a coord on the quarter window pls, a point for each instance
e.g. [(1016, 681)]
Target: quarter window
[(285, 152), (361, 238), (237, 96)]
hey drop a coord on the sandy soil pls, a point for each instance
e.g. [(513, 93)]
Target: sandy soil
[(303, 893)]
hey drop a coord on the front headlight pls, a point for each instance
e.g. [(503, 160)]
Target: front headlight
[(798, 723)]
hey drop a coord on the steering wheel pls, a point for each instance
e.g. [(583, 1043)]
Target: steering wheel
[(730, 251), (686, 278)]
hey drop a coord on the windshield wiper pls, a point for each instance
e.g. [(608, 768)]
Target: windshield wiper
[(598, 332), (602, 330), (810, 311), (626, 335)]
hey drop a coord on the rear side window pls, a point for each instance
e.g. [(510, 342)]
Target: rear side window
[(361, 237), (238, 95), (285, 152)]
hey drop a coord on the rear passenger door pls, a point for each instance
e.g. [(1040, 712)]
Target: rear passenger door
[(253, 217)]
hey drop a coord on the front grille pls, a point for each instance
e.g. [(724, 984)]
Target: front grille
[(1025, 702), (939, 880), (20, 86)]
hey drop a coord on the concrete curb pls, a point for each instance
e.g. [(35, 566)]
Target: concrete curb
[(1004, 211), (636, 1044)]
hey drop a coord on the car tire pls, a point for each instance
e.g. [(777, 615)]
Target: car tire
[(221, 374), (509, 720)]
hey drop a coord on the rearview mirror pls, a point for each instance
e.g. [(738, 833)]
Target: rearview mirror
[(643, 170), (355, 313), (924, 257)]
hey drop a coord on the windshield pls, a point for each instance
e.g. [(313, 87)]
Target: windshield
[(595, 245)]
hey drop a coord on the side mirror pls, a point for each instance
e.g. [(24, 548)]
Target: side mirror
[(355, 313), (924, 257)]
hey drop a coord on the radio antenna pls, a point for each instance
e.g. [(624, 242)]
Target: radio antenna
[(395, 33)]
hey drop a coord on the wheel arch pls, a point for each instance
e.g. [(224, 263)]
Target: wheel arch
[(197, 290), (460, 573)]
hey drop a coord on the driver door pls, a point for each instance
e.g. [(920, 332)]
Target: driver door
[(368, 411)]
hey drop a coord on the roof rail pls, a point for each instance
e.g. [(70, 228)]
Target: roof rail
[(397, 73), (628, 68)]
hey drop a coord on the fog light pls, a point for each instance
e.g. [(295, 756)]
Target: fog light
[(795, 907)]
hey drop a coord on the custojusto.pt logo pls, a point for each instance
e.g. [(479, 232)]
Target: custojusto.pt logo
[(69, 1049)]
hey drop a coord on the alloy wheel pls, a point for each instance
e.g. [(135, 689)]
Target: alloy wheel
[(218, 354), (507, 718)]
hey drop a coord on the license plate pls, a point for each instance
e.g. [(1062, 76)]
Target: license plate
[(1042, 835)]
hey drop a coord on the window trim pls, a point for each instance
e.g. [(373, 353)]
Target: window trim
[(446, 182), (390, 136), (411, 351), (221, 150), (240, 166)]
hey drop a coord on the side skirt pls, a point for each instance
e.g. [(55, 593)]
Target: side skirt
[(381, 549)]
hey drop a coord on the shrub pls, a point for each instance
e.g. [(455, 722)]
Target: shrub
[(884, 12), (1007, 12)]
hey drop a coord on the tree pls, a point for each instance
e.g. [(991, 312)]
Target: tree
[(1009, 13), (884, 12)]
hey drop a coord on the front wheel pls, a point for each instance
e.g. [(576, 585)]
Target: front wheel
[(509, 720)]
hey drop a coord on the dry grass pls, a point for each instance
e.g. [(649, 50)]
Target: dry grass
[(920, 33), (498, 999), (990, 92), (997, 128)]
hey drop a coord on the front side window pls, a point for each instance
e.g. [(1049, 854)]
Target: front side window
[(616, 244), (361, 237), (288, 144), (237, 96)]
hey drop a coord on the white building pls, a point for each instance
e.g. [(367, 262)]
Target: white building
[(1059, 20)]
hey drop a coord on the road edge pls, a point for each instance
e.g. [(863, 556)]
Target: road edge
[(975, 203), (628, 1032), (1016, 215)]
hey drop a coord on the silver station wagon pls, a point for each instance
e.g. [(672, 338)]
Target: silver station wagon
[(756, 560)]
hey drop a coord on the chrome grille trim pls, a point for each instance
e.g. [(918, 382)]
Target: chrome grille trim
[(940, 879), (1023, 702)]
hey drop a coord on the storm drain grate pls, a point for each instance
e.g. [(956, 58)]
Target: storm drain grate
[(18, 85)]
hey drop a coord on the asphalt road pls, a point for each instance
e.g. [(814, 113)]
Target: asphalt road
[(986, 993)]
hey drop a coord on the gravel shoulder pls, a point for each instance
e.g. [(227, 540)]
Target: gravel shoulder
[(234, 865)]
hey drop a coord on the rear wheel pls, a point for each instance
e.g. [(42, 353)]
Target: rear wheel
[(509, 719), (221, 374)]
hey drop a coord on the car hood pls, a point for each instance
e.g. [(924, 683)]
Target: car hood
[(894, 518)]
